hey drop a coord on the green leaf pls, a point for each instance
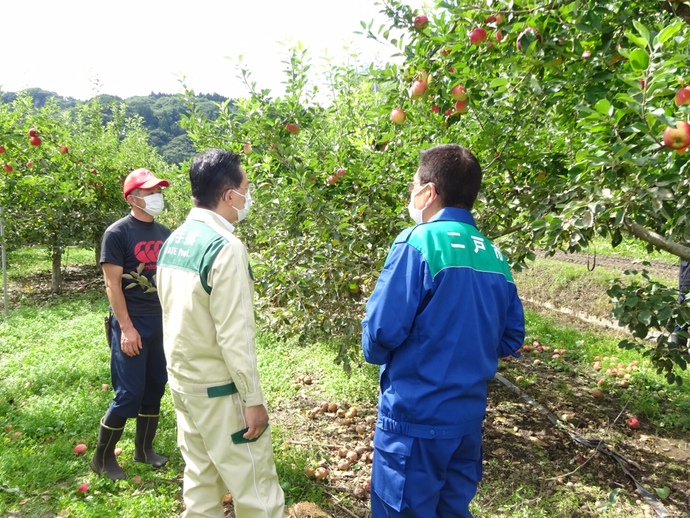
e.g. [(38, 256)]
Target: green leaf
[(663, 492), (634, 38), (667, 33), (499, 81), (603, 106), (639, 60), (644, 32)]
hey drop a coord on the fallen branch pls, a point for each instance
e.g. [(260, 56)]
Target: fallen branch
[(596, 444)]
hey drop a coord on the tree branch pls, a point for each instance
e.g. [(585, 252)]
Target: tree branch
[(677, 8), (656, 240)]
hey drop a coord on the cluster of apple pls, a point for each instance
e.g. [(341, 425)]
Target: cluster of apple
[(35, 141), (678, 138)]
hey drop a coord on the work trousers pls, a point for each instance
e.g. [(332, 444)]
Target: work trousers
[(138, 381), (215, 465), (424, 478)]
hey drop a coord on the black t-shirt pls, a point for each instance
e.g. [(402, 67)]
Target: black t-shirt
[(684, 276), (129, 242)]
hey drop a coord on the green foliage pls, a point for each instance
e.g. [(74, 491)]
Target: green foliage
[(651, 309)]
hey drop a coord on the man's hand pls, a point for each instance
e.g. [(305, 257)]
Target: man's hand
[(257, 421), (130, 341)]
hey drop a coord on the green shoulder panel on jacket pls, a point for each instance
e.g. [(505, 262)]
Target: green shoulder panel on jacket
[(193, 247), (451, 244)]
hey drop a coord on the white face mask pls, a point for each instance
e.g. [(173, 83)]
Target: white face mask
[(415, 214), (154, 204), (242, 213)]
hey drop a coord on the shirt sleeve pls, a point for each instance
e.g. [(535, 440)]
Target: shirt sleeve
[(232, 309), (397, 298), (514, 331)]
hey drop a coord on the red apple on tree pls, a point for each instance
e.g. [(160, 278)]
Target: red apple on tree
[(420, 22), (435, 108), (683, 96), (35, 141), (461, 107), (32, 132), (678, 137), (29, 164), (398, 116), (2, 149), (7, 168), (340, 172), (499, 36), (63, 150), (477, 35), (331, 179), (418, 88), (292, 128), (247, 149), (459, 93)]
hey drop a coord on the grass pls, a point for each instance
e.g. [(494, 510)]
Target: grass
[(54, 363)]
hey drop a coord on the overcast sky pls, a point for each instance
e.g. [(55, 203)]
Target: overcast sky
[(78, 48)]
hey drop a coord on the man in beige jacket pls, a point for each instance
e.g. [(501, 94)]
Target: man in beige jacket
[(206, 289)]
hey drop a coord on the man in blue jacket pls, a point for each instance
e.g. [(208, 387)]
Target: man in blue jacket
[(444, 310)]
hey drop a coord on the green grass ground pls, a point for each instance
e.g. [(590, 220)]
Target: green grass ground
[(55, 386)]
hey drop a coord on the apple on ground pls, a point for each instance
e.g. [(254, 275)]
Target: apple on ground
[(398, 116), (63, 150), (29, 164), (418, 88), (118, 452), (459, 93), (84, 487), (80, 449), (683, 96), (478, 35), (331, 179), (596, 393), (420, 22), (340, 172), (633, 422), (678, 137)]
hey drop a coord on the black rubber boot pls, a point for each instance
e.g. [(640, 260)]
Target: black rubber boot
[(104, 461), (143, 441)]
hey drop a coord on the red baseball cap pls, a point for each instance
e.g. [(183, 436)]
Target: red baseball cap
[(142, 179)]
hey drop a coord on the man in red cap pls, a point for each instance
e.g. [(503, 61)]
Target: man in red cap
[(137, 361)]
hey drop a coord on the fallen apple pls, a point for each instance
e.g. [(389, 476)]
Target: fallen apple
[(84, 487), (633, 422), (596, 393), (80, 449)]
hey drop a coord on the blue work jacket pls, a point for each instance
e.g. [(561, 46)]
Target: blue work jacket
[(444, 310)]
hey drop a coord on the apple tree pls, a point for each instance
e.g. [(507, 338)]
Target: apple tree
[(574, 111), (62, 172)]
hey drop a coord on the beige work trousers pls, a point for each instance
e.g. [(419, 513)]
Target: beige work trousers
[(214, 465)]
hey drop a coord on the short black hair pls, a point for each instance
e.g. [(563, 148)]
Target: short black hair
[(455, 172), (213, 173)]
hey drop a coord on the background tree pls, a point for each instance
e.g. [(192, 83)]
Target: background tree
[(62, 173)]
